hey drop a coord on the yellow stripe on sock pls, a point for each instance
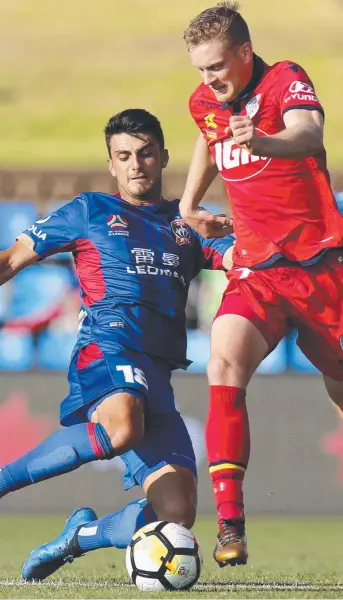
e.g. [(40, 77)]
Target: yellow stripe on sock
[(224, 466)]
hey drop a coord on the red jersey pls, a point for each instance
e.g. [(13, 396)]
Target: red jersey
[(281, 207)]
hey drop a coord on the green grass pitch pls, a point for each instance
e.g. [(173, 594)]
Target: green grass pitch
[(289, 558)]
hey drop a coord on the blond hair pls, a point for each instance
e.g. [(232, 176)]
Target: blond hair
[(222, 21)]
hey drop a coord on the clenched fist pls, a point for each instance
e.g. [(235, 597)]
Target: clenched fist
[(243, 132)]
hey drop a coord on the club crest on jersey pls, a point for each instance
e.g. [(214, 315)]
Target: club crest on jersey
[(118, 225), (181, 231), (253, 106)]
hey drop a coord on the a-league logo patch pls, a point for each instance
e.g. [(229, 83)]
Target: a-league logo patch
[(118, 225), (116, 222), (181, 231)]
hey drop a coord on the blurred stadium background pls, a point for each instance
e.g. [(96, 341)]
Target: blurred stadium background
[(65, 68)]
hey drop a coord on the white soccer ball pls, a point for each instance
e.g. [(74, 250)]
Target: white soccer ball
[(163, 556)]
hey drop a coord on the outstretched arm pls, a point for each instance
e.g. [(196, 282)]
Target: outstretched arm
[(14, 259), (202, 172)]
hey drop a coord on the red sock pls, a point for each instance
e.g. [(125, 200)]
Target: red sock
[(228, 448)]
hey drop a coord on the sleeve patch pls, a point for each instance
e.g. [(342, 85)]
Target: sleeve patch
[(300, 92)]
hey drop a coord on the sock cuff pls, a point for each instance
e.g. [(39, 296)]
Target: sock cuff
[(100, 440), (227, 393)]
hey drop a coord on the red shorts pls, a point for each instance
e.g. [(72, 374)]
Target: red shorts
[(308, 299)]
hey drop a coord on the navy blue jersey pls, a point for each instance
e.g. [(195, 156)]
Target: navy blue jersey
[(134, 264)]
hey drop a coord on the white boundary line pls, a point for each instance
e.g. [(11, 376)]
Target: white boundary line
[(215, 586)]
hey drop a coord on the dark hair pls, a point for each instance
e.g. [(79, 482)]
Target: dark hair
[(222, 21), (134, 121)]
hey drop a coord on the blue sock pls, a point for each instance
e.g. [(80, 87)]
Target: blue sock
[(64, 451), (116, 530)]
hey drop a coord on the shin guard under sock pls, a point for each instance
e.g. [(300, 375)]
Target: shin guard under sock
[(228, 448), (62, 452)]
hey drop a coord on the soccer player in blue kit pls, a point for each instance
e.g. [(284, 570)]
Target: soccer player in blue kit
[(135, 258)]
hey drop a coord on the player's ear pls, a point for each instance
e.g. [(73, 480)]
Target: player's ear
[(246, 52), (165, 158), (111, 168)]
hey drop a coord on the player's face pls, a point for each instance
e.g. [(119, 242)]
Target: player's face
[(226, 70), (137, 163)]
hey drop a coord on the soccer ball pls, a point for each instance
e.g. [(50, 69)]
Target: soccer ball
[(163, 556)]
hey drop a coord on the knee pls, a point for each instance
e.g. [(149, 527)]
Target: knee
[(222, 371), (124, 435), (217, 369)]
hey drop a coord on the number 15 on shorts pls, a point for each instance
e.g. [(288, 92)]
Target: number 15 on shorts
[(133, 374)]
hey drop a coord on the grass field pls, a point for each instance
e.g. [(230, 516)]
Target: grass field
[(289, 558), (66, 66)]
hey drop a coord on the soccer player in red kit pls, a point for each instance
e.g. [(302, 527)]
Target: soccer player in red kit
[(261, 128)]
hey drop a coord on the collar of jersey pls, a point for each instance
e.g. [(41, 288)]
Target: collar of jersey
[(164, 205), (258, 71), (158, 207)]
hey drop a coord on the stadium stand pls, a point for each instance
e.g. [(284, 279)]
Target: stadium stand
[(3, 304), (37, 293), (54, 349), (16, 351), (14, 217)]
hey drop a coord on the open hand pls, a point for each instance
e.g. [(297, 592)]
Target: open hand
[(206, 223)]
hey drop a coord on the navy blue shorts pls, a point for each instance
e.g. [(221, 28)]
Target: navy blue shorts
[(95, 374)]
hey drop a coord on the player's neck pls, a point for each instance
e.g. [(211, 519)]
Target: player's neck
[(252, 78), (150, 199)]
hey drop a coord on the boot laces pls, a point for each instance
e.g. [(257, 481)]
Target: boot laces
[(230, 532)]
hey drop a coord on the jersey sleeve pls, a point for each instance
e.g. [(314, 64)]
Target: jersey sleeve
[(212, 251), (296, 90), (196, 111), (59, 231)]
